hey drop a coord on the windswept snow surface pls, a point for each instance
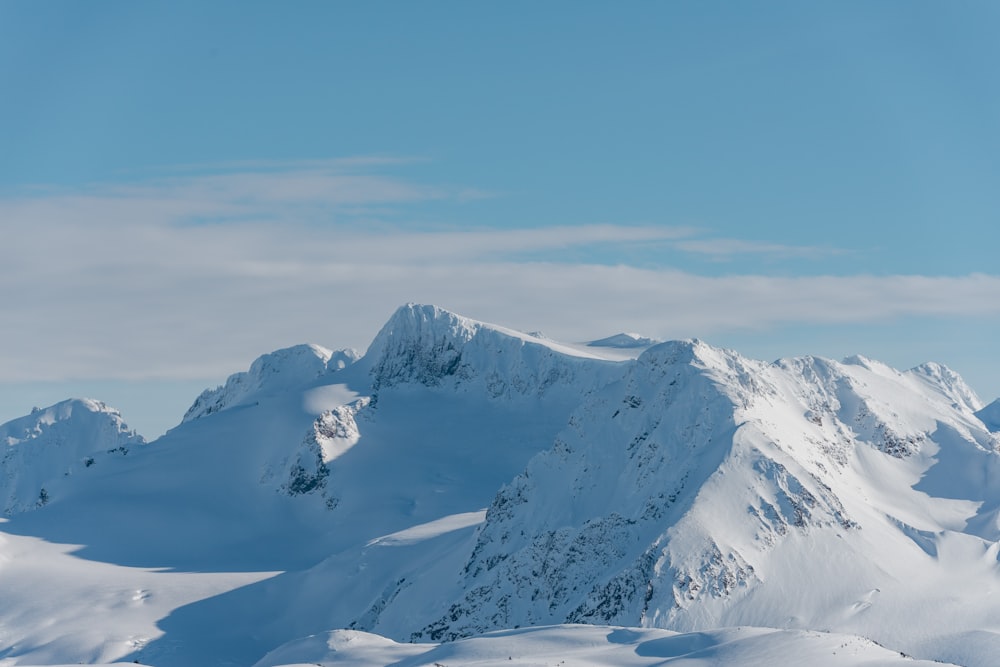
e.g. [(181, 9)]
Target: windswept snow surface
[(58, 608), (323, 496), (595, 646)]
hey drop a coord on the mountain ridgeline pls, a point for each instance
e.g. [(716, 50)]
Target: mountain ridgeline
[(461, 477)]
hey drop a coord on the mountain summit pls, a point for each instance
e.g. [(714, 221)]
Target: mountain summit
[(433, 347), (281, 370), (40, 451)]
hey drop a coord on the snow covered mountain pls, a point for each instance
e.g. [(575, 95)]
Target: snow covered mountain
[(709, 490), (42, 450), (462, 478), (624, 340)]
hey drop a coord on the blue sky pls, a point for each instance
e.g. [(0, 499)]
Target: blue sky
[(187, 185)]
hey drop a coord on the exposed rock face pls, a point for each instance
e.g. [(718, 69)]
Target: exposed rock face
[(307, 469)]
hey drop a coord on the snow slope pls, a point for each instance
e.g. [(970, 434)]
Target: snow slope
[(56, 607), (463, 478)]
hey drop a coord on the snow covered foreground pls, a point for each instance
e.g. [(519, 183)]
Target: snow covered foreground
[(461, 479), (593, 646)]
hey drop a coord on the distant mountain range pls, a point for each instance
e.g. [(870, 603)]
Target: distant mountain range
[(462, 478)]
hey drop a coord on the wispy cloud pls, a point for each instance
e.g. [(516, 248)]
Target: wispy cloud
[(295, 193), (725, 248), (346, 164), (129, 281)]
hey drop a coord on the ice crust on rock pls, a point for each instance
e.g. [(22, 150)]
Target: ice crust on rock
[(307, 469)]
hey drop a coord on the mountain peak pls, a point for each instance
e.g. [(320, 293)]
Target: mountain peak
[(624, 340), (990, 416), (420, 343), (693, 352), (949, 383), (270, 373), (44, 448), (76, 410), (430, 346)]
